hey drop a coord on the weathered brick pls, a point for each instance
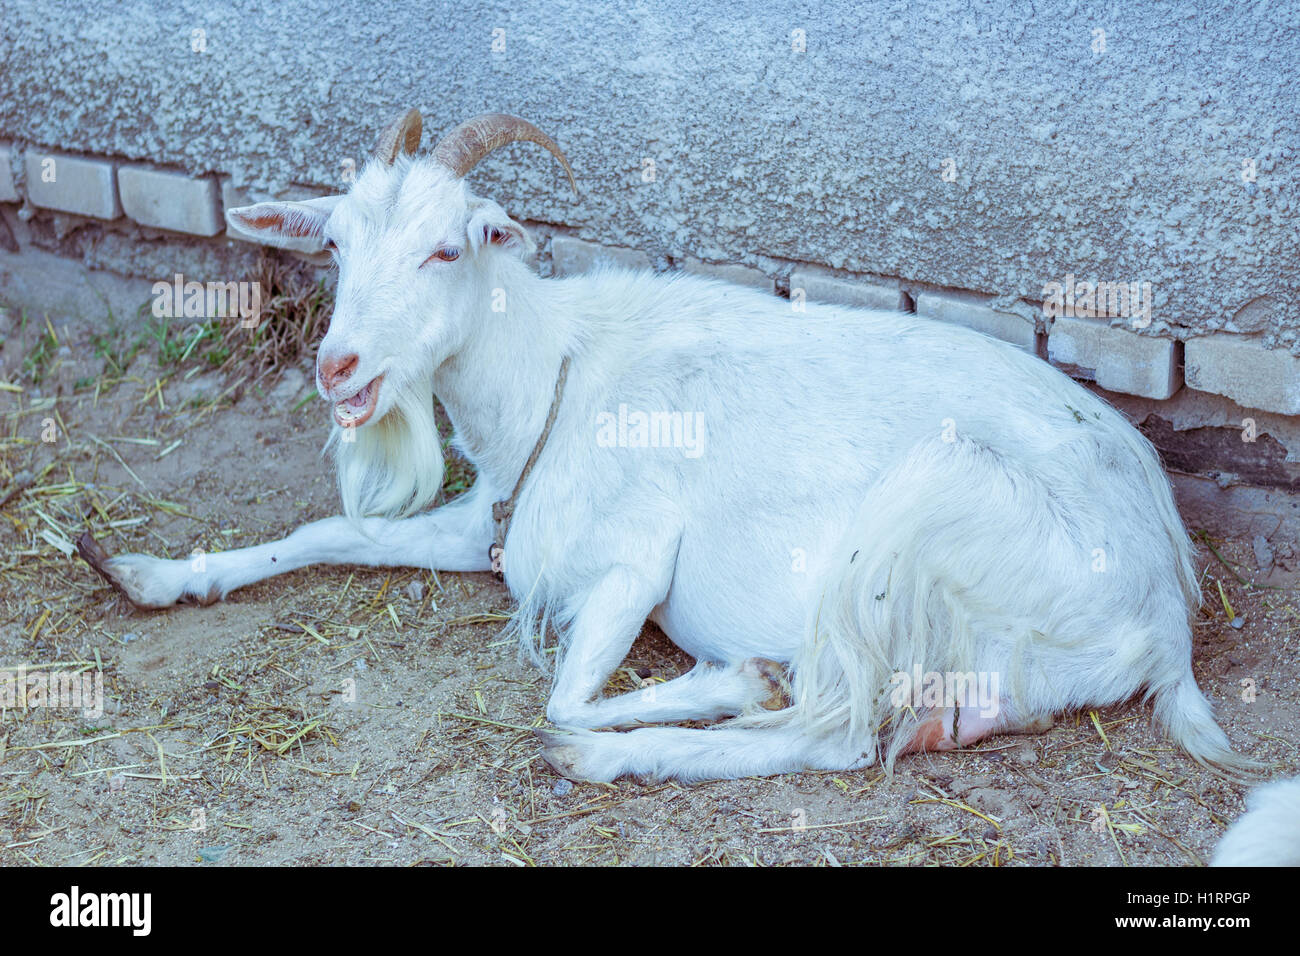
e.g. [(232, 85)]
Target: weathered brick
[(975, 314), (71, 184), (571, 256), (730, 272), (8, 192), (819, 286), (1244, 371), (1114, 358), (169, 200)]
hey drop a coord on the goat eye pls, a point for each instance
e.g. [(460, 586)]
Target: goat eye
[(330, 246), (445, 254)]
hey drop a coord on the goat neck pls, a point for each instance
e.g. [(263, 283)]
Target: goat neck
[(498, 385)]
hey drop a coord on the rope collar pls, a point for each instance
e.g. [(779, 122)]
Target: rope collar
[(503, 511)]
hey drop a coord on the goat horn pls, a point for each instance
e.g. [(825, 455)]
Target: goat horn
[(402, 135), (462, 148)]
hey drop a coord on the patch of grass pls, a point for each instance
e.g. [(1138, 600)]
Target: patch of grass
[(459, 474), (177, 345), (114, 347), (36, 364)]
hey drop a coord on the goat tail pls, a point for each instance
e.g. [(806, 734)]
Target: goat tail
[(1182, 711), (1269, 832)]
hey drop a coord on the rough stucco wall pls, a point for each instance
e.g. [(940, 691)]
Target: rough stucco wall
[(1121, 166)]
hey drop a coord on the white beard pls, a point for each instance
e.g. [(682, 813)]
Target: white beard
[(393, 468)]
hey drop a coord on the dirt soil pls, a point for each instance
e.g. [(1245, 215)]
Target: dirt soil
[(357, 716)]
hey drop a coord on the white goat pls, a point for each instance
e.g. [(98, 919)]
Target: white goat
[(1268, 834), (865, 495)]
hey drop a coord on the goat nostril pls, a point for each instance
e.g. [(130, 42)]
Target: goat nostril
[(336, 371)]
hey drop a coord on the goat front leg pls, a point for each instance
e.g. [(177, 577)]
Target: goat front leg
[(602, 631), (454, 537)]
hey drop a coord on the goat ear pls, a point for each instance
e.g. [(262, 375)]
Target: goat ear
[(490, 226), (289, 225)]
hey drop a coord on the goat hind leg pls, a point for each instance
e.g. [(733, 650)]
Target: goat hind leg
[(708, 691), (680, 753)]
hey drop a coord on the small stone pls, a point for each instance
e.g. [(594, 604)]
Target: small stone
[(1237, 623), (201, 388), (130, 636), (213, 854), (117, 782), (1026, 756), (563, 787), (415, 591), (1263, 553), (291, 383), (643, 672)]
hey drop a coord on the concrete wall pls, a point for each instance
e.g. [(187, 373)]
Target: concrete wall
[(1121, 165), (949, 157)]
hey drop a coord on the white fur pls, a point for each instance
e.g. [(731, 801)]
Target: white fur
[(1268, 834), (876, 491)]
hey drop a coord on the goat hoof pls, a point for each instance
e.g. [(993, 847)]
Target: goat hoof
[(569, 754), (100, 561), (779, 696), (559, 753), (148, 584), (93, 553)]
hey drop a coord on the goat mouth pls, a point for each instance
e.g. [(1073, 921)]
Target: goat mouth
[(357, 410)]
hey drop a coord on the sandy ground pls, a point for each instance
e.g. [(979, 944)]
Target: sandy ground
[(355, 716)]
